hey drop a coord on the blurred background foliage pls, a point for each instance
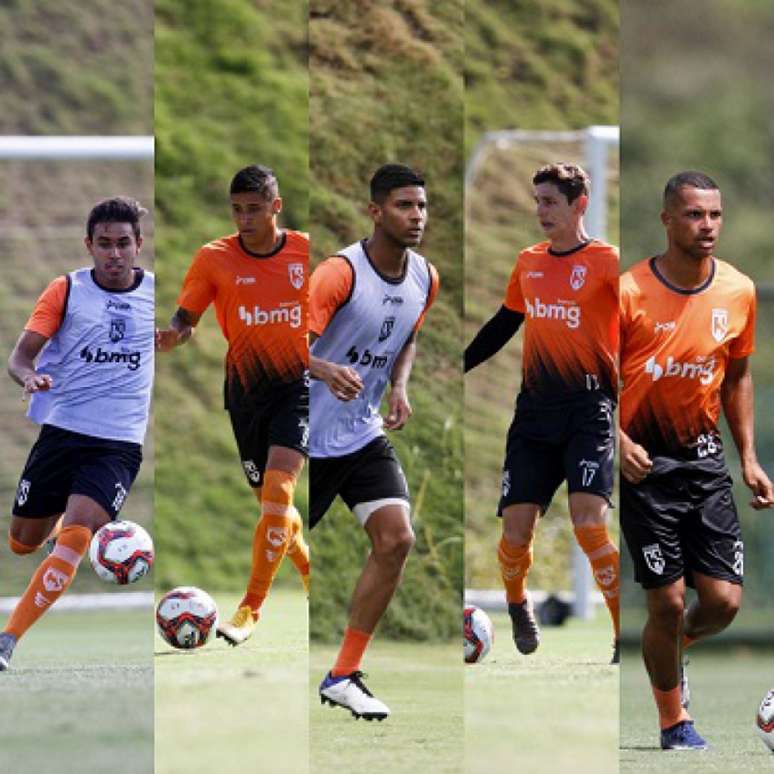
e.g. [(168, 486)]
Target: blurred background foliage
[(705, 102)]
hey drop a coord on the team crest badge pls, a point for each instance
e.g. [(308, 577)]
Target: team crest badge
[(23, 492), (719, 324), (654, 558), (387, 325), (296, 275), (578, 277), (117, 329)]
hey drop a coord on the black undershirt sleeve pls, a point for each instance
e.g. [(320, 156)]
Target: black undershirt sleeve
[(492, 337)]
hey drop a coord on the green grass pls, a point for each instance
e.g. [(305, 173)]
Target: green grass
[(726, 690), (421, 684), (556, 710), (237, 709), (80, 691)]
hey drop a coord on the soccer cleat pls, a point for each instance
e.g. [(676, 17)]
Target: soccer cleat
[(239, 628), (682, 736), (349, 692), (7, 644), (616, 652), (685, 691), (526, 634)]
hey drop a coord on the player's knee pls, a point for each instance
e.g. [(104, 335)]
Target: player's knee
[(396, 546), (668, 610), (518, 534), (725, 606)]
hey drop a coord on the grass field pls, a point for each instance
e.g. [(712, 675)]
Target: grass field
[(556, 710), (726, 688), (237, 709), (421, 684), (80, 692)]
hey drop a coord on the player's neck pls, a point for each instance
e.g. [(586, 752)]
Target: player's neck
[(568, 240), (388, 256), (684, 271), (262, 243), (124, 282)]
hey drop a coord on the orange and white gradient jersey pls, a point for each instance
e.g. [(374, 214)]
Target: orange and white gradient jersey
[(675, 347), (570, 304), (261, 304)]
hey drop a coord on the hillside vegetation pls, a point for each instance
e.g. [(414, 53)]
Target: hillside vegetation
[(231, 90), (550, 66), (76, 67), (386, 85)]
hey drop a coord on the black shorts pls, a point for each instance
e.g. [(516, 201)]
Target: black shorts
[(549, 444), (368, 475), (280, 420), (63, 463), (682, 518)]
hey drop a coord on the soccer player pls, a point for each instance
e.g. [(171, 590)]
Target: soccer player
[(566, 288), (687, 330), (257, 279), (366, 305), (91, 332)]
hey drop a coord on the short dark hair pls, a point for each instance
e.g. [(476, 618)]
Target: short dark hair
[(255, 179), (391, 176), (119, 209), (687, 179), (570, 179)]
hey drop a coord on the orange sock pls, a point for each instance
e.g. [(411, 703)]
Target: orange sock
[(51, 579), (605, 563), (20, 548), (515, 562), (351, 654), (273, 535), (670, 711), (298, 551)]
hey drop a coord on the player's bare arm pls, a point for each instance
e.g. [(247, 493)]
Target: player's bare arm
[(344, 382), (398, 407), (635, 461), (737, 397), (21, 363), (180, 329)]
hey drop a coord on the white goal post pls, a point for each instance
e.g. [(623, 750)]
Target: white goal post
[(119, 148)]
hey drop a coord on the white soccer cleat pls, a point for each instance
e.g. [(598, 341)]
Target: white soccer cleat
[(239, 628), (349, 692)]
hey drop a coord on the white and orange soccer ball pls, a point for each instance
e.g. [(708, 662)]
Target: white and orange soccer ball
[(121, 552), (764, 720), (186, 617), (477, 633)]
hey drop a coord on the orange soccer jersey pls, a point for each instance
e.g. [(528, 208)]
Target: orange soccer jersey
[(675, 346), (570, 302), (261, 304)]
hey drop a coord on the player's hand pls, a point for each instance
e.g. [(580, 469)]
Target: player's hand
[(635, 461), (763, 490), (344, 382), (398, 409), (169, 338), (37, 383)]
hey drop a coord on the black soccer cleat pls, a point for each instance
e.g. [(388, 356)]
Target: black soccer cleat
[(526, 633)]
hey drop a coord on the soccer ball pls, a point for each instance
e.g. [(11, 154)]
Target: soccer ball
[(478, 634), (121, 552), (186, 617), (764, 721)]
